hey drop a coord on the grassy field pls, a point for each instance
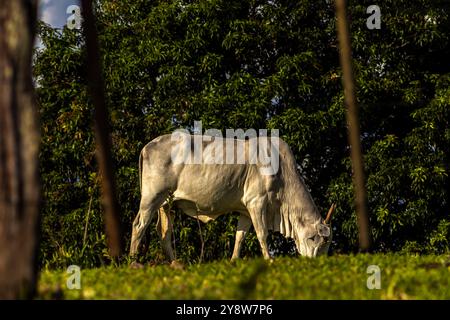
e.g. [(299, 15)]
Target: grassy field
[(335, 277)]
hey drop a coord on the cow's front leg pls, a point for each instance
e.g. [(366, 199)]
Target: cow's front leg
[(258, 216), (243, 226)]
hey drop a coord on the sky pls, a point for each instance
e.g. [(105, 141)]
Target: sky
[(54, 13)]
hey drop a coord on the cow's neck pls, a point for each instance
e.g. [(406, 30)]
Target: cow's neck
[(299, 201)]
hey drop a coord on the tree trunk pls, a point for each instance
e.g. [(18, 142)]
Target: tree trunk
[(353, 126), (111, 210), (19, 148)]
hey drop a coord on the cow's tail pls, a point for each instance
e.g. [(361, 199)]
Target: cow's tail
[(140, 172)]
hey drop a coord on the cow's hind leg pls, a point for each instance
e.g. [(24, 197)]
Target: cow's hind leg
[(243, 226), (164, 228), (147, 210)]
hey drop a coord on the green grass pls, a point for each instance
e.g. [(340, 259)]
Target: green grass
[(335, 277)]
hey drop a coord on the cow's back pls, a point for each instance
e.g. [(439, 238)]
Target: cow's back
[(206, 187)]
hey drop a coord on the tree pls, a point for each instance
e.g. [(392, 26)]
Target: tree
[(103, 140), (19, 147), (253, 64)]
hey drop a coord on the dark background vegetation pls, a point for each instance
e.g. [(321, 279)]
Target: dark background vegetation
[(251, 64)]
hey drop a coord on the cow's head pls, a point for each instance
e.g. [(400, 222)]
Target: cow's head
[(314, 239)]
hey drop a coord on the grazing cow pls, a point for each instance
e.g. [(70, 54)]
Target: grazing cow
[(207, 189)]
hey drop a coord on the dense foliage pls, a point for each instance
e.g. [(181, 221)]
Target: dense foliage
[(252, 64)]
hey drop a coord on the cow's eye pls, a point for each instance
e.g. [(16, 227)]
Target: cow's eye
[(313, 239)]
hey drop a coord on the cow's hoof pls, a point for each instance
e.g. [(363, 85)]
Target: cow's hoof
[(177, 265), (136, 265)]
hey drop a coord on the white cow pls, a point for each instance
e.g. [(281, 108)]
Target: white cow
[(206, 190)]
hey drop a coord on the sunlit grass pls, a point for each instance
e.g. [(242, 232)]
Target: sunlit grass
[(336, 277)]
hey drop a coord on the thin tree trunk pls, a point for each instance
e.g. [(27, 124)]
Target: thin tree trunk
[(86, 225), (201, 239), (353, 126), (19, 148), (102, 137)]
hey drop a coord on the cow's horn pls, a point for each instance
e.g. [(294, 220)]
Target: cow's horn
[(330, 212)]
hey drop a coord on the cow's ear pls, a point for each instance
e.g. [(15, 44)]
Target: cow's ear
[(323, 230)]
